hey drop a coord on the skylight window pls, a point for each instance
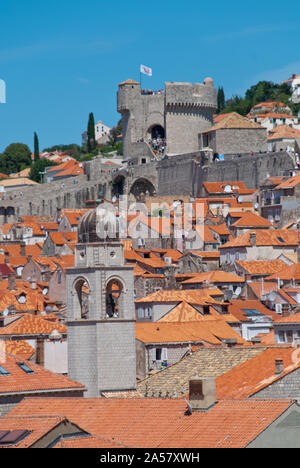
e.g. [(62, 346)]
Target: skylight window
[(3, 371), (280, 239), (25, 368), (251, 312)]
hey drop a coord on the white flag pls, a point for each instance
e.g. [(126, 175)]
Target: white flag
[(146, 70), (2, 92)]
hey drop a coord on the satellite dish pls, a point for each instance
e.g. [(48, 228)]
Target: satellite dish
[(5, 313), (238, 291), (240, 199), (256, 206), (114, 199), (227, 189), (272, 296)]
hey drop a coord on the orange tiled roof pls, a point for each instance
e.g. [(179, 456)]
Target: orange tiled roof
[(192, 296), (238, 307), (28, 324), (19, 348), (287, 273), (233, 121), (211, 331), (265, 237), (255, 374), (37, 428), (249, 219), (289, 183), (267, 287), (217, 276), (134, 422), (262, 267), (19, 381)]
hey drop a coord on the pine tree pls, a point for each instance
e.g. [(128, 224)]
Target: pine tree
[(221, 100), (91, 138), (36, 148)]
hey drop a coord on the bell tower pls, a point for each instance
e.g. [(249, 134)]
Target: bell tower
[(100, 307)]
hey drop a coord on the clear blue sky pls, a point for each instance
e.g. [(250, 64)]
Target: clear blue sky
[(62, 59)]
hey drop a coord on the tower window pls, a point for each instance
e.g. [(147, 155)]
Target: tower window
[(114, 299)]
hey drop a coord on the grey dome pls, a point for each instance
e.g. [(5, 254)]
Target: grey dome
[(99, 225)]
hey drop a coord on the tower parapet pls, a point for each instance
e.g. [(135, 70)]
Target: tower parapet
[(189, 110), (178, 114)]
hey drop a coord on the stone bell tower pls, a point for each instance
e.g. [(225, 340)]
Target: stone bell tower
[(100, 308)]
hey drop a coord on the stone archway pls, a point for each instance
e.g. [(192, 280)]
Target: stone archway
[(142, 188), (156, 131)]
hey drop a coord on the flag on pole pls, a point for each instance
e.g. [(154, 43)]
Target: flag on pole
[(146, 70)]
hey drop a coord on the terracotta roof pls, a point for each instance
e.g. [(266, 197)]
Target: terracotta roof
[(264, 237), (210, 331), (267, 287), (37, 428), (19, 348), (134, 423), (289, 183), (218, 187), (283, 131), (262, 267), (28, 324), (249, 219), (294, 318), (239, 309), (192, 296), (287, 273), (274, 115), (128, 82), (255, 374), (39, 379), (234, 121), (217, 276)]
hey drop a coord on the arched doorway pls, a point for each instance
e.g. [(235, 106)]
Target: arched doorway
[(114, 299), (157, 131)]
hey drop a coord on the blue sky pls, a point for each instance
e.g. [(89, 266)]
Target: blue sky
[(63, 59)]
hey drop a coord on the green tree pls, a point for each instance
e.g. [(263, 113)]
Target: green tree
[(221, 100), (38, 167), (15, 158), (36, 147), (91, 137)]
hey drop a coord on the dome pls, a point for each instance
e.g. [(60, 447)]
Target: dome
[(209, 82), (99, 225)]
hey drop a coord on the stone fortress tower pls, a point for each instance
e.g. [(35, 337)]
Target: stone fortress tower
[(179, 113), (100, 308)]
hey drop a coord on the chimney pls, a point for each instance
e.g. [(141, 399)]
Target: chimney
[(253, 238), (230, 342), (23, 249), (33, 284), (202, 393), (278, 366), (12, 282), (285, 310), (39, 351)]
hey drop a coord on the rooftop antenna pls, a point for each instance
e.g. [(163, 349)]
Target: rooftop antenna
[(190, 409)]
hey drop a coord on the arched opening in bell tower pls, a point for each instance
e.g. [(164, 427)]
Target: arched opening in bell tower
[(114, 299), (82, 291)]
